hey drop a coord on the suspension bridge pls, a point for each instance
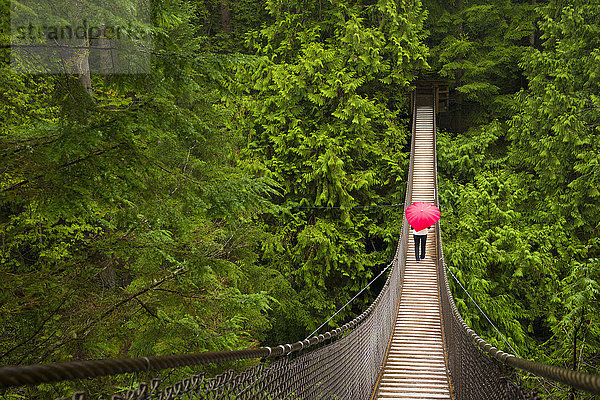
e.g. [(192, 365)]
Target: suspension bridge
[(415, 364), (410, 343)]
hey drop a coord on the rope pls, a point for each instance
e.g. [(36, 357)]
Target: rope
[(481, 311), (351, 300)]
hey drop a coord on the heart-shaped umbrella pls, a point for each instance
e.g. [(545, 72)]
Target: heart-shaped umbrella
[(421, 215)]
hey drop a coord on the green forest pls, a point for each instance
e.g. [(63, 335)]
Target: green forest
[(252, 181)]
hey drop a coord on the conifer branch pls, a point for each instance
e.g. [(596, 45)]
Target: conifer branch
[(68, 164)]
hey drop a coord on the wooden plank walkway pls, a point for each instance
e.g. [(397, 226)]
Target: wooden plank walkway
[(415, 367)]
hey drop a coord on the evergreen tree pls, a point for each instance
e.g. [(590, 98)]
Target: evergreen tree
[(125, 225), (518, 195), (557, 127), (477, 46), (324, 120)]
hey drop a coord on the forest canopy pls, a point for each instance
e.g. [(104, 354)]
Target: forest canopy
[(244, 184)]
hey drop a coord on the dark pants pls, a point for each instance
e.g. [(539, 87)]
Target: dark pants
[(420, 239)]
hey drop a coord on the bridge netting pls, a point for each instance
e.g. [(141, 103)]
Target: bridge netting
[(340, 364)]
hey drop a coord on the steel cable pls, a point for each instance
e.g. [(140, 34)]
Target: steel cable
[(352, 299), (481, 311)]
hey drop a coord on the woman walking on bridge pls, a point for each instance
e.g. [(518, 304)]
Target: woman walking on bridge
[(421, 216), (420, 237)]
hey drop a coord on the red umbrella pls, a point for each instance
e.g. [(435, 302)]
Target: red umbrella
[(421, 215)]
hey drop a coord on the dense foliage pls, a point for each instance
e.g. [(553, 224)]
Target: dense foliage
[(251, 182), (520, 187), (126, 225), (324, 121)]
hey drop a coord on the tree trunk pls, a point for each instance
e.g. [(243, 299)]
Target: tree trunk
[(81, 54), (107, 61), (532, 36), (226, 16), (577, 329), (459, 75), (82, 60), (572, 395)]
